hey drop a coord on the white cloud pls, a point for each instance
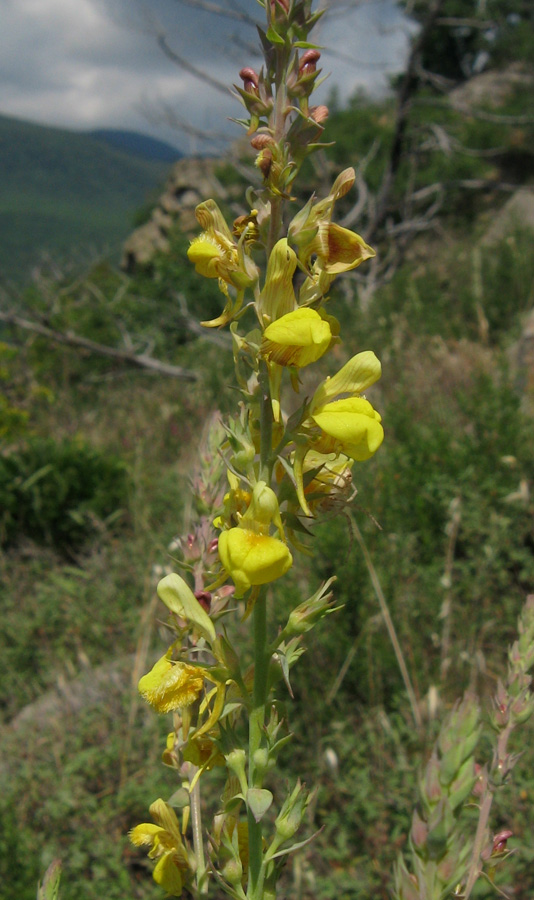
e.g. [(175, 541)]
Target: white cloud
[(94, 63)]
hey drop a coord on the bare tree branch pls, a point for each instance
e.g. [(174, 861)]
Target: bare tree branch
[(482, 114), (73, 340), (219, 338), (184, 64), (218, 10)]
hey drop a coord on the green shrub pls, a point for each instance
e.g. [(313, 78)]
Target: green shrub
[(59, 494)]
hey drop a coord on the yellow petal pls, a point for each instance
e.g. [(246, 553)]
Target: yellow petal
[(252, 559), (165, 816), (211, 219), (278, 296), (144, 834), (338, 249), (354, 378), (205, 254), (297, 339), (350, 425), (167, 874), (171, 685)]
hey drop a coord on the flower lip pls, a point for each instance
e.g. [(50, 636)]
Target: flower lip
[(252, 559), (350, 426), (297, 339)]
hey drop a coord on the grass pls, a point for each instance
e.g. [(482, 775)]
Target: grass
[(75, 627)]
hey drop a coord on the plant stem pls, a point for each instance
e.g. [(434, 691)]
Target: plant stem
[(256, 728), (266, 424), (198, 843)]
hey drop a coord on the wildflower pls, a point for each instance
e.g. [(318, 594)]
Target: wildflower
[(215, 254), (166, 846), (249, 554), (351, 426), (253, 559), (358, 374), (297, 339), (348, 425), (171, 685), (336, 249)]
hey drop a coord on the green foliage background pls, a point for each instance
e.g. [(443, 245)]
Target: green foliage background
[(94, 486)]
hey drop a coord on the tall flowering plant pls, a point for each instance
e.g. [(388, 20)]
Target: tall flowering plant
[(281, 473)]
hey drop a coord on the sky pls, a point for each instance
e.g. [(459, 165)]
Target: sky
[(85, 64)]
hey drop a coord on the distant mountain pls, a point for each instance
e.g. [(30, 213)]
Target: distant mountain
[(137, 144), (67, 194)]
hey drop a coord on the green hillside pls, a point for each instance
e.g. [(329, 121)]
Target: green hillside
[(66, 194)]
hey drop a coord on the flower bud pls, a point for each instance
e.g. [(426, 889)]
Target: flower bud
[(308, 62), (319, 114), (290, 816), (250, 80), (260, 141), (204, 598), (232, 871), (264, 161), (500, 840)]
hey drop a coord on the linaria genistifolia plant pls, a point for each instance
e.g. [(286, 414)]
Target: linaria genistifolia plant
[(281, 474), (449, 854)]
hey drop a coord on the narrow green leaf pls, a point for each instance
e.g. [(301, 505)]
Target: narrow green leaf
[(274, 37)]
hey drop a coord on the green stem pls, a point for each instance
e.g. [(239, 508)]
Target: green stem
[(266, 425), (198, 843), (278, 126), (256, 731)]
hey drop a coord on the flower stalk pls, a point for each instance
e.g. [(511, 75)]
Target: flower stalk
[(265, 478)]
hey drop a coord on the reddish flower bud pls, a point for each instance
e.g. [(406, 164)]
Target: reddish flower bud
[(250, 80), (308, 62), (319, 114), (264, 162), (500, 839), (260, 141), (204, 598), (279, 8)]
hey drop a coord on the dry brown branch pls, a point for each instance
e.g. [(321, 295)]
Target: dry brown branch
[(219, 338), (482, 114), (184, 64), (141, 360), (223, 11)]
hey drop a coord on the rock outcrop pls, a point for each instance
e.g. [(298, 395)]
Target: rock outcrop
[(190, 182)]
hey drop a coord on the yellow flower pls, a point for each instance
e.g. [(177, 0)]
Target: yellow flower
[(215, 253), (338, 249), (166, 846), (351, 426), (171, 685), (252, 558), (297, 339), (333, 475), (348, 425), (248, 553)]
